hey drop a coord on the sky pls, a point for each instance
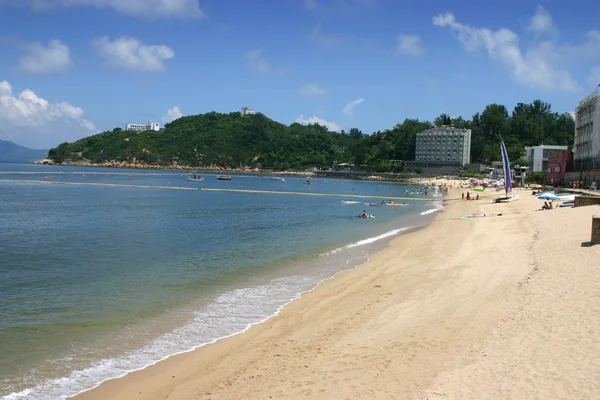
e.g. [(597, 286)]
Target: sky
[(72, 68)]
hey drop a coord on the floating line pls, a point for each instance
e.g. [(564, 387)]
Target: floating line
[(315, 194), (98, 184)]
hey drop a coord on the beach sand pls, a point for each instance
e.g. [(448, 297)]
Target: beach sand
[(495, 307)]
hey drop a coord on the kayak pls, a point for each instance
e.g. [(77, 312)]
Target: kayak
[(371, 204)]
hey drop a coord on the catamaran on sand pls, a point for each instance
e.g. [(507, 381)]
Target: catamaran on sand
[(507, 177)]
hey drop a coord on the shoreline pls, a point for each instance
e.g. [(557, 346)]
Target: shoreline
[(367, 244), (443, 311), (402, 231), (407, 231)]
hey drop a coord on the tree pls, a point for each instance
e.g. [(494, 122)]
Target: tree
[(521, 161), (217, 139), (443, 119)]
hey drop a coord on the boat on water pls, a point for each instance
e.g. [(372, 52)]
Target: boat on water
[(507, 177), (224, 177), (274, 178), (195, 178)]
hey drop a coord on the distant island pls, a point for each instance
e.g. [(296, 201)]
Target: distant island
[(233, 141), (12, 152)]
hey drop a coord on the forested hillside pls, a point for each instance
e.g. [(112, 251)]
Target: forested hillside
[(230, 140)]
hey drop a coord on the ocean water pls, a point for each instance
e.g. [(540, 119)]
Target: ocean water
[(99, 281)]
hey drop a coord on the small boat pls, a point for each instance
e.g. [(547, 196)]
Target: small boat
[(224, 177), (274, 178), (195, 178)]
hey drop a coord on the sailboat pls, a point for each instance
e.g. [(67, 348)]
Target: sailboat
[(507, 177)]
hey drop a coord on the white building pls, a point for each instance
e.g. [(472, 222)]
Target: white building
[(151, 126), (444, 144), (587, 131), (247, 111), (537, 156)]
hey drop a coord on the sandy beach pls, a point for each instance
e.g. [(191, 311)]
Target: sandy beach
[(494, 307)]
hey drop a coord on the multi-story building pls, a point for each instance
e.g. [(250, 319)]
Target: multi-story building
[(444, 144), (151, 126), (246, 111), (537, 156), (586, 152)]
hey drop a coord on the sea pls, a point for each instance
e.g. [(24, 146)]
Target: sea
[(97, 281)]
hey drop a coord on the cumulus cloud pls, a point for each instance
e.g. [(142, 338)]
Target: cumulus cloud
[(332, 126), (410, 44), (349, 109), (536, 67), (42, 60), (129, 53), (312, 90), (34, 122), (541, 22), (172, 114), (258, 63), (149, 9)]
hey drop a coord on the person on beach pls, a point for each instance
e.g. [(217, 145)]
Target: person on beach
[(463, 195)]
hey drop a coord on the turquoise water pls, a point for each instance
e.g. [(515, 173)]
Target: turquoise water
[(99, 281)]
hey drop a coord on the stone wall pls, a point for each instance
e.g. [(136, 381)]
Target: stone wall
[(582, 200)]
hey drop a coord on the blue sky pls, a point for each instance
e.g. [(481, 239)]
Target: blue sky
[(70, 68)]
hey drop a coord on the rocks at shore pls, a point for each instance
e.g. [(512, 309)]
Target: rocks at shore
[(174, 166), (44, 161)]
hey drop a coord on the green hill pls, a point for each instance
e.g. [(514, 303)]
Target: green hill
[(213, 139), (230, 140)]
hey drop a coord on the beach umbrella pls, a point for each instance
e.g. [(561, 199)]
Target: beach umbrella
[(478, 189)]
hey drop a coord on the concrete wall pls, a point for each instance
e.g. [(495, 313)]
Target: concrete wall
[(587, 176), (596, 229), (581, 201)]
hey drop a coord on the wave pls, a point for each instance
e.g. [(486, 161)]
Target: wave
[(438, 206), (369, 240), (229, 314), (350, 202)]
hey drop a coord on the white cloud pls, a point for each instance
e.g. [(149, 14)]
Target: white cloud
[(130, 54), (534, 68), (172, 114), (312, 90), (541, 22), (349, 109), (410, 44), (594, 78), (40, 60), (258, 63), (149, 9), (332, 126), (34, 122)]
